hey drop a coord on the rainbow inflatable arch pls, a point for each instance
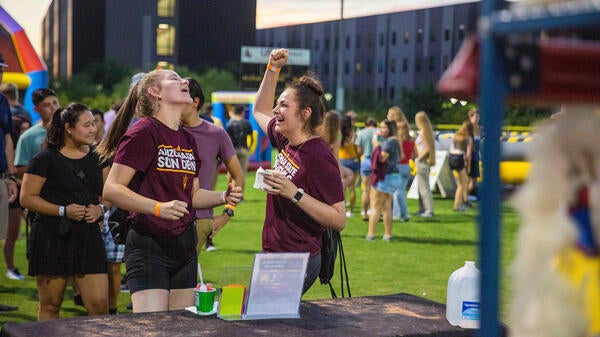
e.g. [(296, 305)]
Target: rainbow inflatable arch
[(25, 67)]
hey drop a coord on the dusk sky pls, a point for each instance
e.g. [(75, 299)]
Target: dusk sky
[(270, 13)]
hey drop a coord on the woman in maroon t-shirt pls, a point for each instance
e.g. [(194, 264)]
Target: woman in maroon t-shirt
[(154, 177), (304, 197)]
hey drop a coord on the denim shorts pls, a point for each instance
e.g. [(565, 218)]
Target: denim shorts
[(365, 167), (389, 184), (351, 164)]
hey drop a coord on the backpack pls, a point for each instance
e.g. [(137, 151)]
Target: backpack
[(332, 243)]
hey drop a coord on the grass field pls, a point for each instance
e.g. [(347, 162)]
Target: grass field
[(419, 260)]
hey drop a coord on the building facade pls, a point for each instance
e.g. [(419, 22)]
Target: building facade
[(144, 34), (381, 54)]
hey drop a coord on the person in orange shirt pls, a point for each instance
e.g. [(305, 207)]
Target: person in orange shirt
[(349, 159)]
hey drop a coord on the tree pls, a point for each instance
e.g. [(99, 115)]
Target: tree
[(100, 84), (423, 99)]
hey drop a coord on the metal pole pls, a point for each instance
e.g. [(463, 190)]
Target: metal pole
[(339, 97), (493, 91)]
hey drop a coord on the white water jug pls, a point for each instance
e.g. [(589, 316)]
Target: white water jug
[(462, 297)]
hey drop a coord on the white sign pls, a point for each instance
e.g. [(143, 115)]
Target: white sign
[(276, 286), (440, 176), (260, 55)]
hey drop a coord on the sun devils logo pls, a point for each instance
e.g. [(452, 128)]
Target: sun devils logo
[(185, 180)]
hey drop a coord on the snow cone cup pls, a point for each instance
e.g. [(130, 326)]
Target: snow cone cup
[(206, 300)]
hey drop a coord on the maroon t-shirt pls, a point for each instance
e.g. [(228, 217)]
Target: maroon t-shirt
[(312, 167), (166, 163)]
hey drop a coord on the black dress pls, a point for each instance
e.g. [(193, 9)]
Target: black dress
[(58, 245)]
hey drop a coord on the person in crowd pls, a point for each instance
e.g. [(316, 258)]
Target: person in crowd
[(110, 115), (302, 199), (11, 91), (397, 115), (349, 160), (15, 212), (239, 129), (331, 132), (62, 186), (400, 208), (45, 102), (114, 257), (207, 115), (8, 186), (99, 120), (459, 159), (425, 154), (114, 252), (364, 148), (474, 174), (154, 177), (385, 178), (20, 125), (213, 142)]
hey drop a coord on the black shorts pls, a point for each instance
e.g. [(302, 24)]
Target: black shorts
[(474, 173), (161, 262), (456, 161)]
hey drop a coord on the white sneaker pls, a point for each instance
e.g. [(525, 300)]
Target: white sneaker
[(348, 214), (14, 274), (211, 248)]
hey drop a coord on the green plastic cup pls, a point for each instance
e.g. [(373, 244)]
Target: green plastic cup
[(206, 300)]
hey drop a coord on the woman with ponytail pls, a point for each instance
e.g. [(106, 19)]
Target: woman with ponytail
[(154, 177), (62, 187)]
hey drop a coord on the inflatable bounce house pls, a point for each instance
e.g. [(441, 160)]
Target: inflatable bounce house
[(260, 151), (25, 68)]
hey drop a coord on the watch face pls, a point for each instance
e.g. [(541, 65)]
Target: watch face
[(228, 211)]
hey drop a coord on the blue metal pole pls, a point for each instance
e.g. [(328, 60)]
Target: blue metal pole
[(493, 90)]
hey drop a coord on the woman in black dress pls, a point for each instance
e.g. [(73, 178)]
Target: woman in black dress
[(62, 186)]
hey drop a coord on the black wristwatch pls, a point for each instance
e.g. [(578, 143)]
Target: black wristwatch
[(228, 210), (298, 196)]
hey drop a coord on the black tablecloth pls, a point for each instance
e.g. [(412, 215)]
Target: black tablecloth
[(390, 315)]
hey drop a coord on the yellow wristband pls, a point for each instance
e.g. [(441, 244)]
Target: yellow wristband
[(157, 209), (273, 69)]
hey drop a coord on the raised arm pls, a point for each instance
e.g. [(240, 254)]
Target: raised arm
[(263, 105)]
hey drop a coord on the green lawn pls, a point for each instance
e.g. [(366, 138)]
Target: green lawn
[(419, 260)]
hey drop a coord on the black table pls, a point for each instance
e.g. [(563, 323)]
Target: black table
[(390, 315)]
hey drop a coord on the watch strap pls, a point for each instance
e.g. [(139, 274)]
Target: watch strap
[(298, 196)]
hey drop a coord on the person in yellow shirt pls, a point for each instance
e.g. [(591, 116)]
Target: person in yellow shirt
[(349, 159)]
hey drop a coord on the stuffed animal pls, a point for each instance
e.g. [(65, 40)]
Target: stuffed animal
[(556, 271)]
